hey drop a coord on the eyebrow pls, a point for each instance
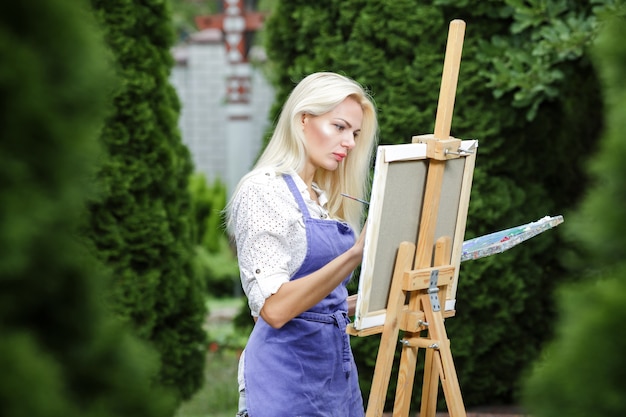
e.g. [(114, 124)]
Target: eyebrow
[(347, 122)]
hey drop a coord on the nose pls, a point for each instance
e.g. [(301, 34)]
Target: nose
[(348, 141)]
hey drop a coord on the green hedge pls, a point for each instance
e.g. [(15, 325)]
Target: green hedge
[(142, 226), (582, 371), (215, 259), (533, 145), (60, 352)]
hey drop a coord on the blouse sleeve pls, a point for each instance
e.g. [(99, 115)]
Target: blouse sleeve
[(261, 227)]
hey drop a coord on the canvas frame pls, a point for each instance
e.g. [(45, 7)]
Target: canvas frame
[(394, 214)]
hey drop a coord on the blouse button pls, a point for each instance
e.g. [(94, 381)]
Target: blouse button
[(258, 271)]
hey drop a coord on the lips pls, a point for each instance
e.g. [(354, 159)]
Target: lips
[(339, 156)]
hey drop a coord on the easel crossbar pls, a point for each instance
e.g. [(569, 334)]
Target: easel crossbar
[(420, 279), (410, 321)]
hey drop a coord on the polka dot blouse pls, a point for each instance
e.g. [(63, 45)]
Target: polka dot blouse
[(269, 233)]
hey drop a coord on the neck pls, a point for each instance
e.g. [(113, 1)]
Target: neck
[(307, 175)]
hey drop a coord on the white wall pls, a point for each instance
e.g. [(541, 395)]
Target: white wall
[(199, 77)]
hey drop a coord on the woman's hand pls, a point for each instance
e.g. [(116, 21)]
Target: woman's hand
[(352, 304), (296, 296), (360, 242)]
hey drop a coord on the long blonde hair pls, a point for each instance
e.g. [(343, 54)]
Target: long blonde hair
[(318, 94)]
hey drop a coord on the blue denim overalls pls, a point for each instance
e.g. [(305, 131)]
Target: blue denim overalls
[(306, 368)]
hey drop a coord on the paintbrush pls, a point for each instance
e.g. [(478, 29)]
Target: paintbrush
[(355, 199)]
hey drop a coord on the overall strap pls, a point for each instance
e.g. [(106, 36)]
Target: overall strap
[(297, 195)]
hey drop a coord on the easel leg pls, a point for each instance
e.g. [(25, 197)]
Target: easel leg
[(442, 360), (450, 384), (430, 387), (406, 377), (432, 366), (391, 330)]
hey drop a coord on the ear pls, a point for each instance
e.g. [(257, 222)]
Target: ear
[(303, 119)]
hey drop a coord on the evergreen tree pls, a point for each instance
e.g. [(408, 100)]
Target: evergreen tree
[(60, 353), (142, 226), (215, 260), (582, 371), (532, 147)]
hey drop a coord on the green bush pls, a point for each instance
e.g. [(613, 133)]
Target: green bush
[(582, 371), (61, 354), (141, 225), (215, 260), (208, 202), (219, 270)]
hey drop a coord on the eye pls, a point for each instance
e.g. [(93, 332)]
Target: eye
[(339, 127)]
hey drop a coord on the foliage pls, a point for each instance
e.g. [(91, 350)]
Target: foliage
[(207, 205), (215, 261), (219, 398), (600, 220), (395, 49), (184, 13), (583, 369), (60, 352), (219, 270), (581, 372), (141, 225), (530, 62)]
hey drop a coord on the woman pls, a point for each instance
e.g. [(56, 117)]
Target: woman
[(297, 250)]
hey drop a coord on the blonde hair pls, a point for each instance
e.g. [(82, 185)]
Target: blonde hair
[(318, 94)]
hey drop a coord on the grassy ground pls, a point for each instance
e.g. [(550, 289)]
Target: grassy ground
[(218, 397)]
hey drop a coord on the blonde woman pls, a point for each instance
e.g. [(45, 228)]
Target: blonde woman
[(297, 249)]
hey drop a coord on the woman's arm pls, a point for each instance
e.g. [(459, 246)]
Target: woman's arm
[(352, 304), (297, 296)]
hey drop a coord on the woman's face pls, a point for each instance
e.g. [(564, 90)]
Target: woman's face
[(330, 136)]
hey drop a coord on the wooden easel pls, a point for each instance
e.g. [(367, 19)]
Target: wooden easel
[(422, 274)]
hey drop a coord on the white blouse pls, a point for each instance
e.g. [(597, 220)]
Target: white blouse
[(269, 232)]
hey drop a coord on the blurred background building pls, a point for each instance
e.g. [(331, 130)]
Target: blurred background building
[(224, 95)]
